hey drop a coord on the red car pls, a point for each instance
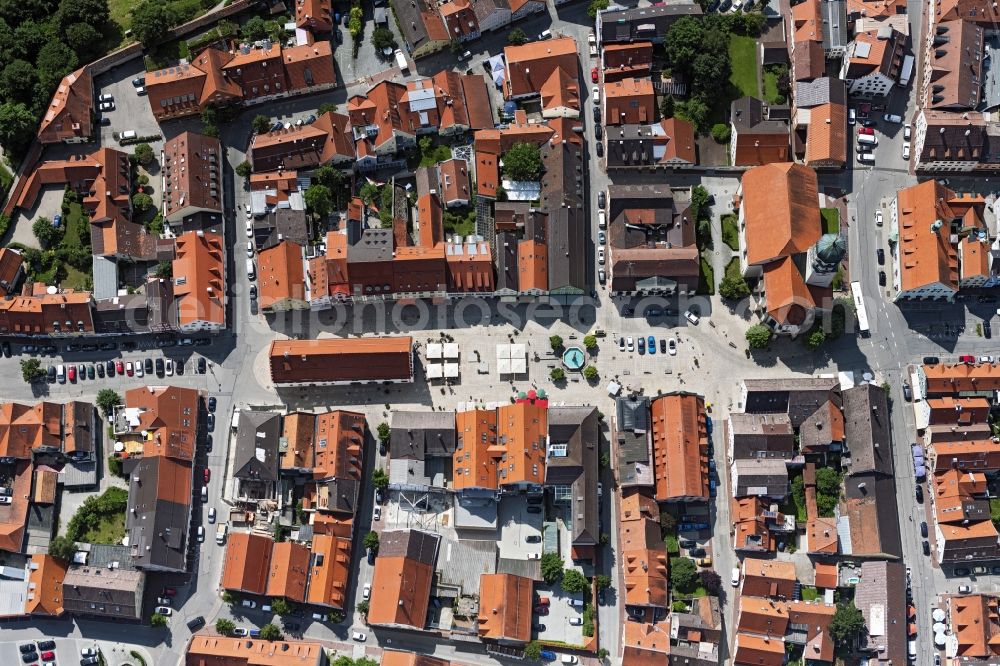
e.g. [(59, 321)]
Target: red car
[(593, 75), (866, 130), (967, 359), (71, 373), (542, 610), (208, 474), (119, 367), (48, 656), (169, 592)]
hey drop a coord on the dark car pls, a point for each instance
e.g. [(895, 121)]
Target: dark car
[(52, 374), (25, 648), (542, 610), (663, 346), (961, 571), (90, 372), (602, 199), (159, 367), (208, 441), (100, 370), (597, 114), (29, 657), (148, 366), (538, 627), (211, 421), (598, 132), (923, 529), (927, 548), (6, 349), (46, 645), (931, 360), (881, 278), (868, 123), (196, 622), (697, 552), (688, 543), (920, 493), (211, 403), (179, 367), (534, 509), (880, 255), (600, 149), (110, 366), (907, 393), (201, 366)]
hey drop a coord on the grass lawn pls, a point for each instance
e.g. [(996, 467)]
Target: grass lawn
[(673, 547), (731, 232), (706, 279), (462, 222), (810, 594), (733, 268), (831, 220), (111, 530), (698, 592), (771, 87), (120, 12), (77, 279), (743, 56), (77, 227), (435, 155)]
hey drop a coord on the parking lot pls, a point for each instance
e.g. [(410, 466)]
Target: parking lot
[(517, 526), (66, 651), (132, 111), (554, 625)]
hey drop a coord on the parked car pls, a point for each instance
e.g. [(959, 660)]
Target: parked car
[(866, 130), (907, 393), (968, 359), (139, 81), (663, 346), (892, 118), (249, 603), (923, 529), (931, 360), (119, 367), (691, 316), (593, 74), (878, 218), (106, 106), (162, 610), (735, 579), (688, 543), (696, 552), (927, 548), (212, 403), (672, 347), (642, 345), (881, 278), (704, 561), (71, 373), (367, 591), (533, 538), (241, 632), (360, 636), (880, 256), (919, 492), (377, 514), (211, 513)]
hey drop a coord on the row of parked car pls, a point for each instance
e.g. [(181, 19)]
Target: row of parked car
[(46, 651), (88, 371)]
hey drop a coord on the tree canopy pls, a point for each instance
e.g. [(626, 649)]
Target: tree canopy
[(62, 547), (108, 399), (269, 632), (319, 201), (144, 154), (847, 622), (552, 568), (734, 287), (522, 162), (261, 123), (151, 20), (758, 336), (517, 37), (224, 626), (683, 574), (573, 581)]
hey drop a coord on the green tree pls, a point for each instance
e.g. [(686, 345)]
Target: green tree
[(371, 541), (552, 568), (17, 127), (261, 123), (815, 339), (369, 192), (380, 479), (224, 626), (228, 597), (255, 28), (590, 373), (683, 574), (63, 548), (362, 607), (384, 432), (683, 43), (164, 270), (326, 107), (269, 632), (590, 342), (603, 653), (47, 235), (734, 287), (108, 399), (533, 650), (144, 153), (557, 374), (522, 162), (828, 481), (711, 581), (758, 336), (573, 581), (605, 461), (87, 12), (693, 110), (517, 37), (679, 607), (17, 81), (595, 6), (667, 106), (55, 60), (158, 620), (142, 202), (31, 370), (720, 132), (84, 39), (382, 38), (847, 622), (602, 581), (244, 169), (799, 490), (699, 202), (319, 201), (355, 23), (556, 342), (281, 606), (151, 19)]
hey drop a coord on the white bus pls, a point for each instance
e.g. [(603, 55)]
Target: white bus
[(859, 308), (906, 72)]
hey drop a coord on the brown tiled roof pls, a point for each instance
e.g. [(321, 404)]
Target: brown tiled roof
[(45, 485), (505, 607), (454, 180), (404, 573), (14, 516), (10, 269), (169, 415), (303, 146), (247, 563), (339, 359), (62, 312), (529, 65), (768, 578), (758, 140), (961, 378), (314, 15), (789, 298), (45, 586), (69, 114), (629, 102), (192, 167), (298, 429), (199, 279), (309, 65), (826, 140), (627, 60), (560, 91), (281, 275), (474, 464), (956, 74), (522, 430), (24, 429), (470, 267), (975, 621), (680, 447), (782, 211), (822, 536), (394, 658), (926, 255), (289, 570), (331, 570), (211, 650)]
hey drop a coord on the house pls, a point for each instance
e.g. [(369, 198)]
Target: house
[(954, 142), (281, 278), (643, 556), (505, 608), (955, 66), (199, 282), (330, 571), (774, 579), (255, 456), (460, 20), (629, 102), (866, 431), (668, 144), (632, 431), (422, 434), (14, 516), (532, 66), (422, 26), (780, 233), (680, 447), (571, 472), (627, 60), (639, 24), (925, 260), (759, 134), (880, 595), (695, 636), (11, 271), (757, 526), (646, 643), (651, 237), (159, 513), (106, 592), (69, 116), (765, 626), (872, 64), (210, 650), (327, 140), (63, 313), (760, 477), (819, 121), (960, 379), (975, 625), (316, 16), (760, 436), (404, 573), (475, 468), (289, 571), (247, 564), (337, 361), (192, 176), (46, 576)]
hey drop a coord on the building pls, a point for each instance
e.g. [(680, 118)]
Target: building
[(957, 142), (11, 271), (61, 314), (327, 140), (337, 361), (760, 477), (635, 468), (505, 608), (571, 474), (535, 66), (760, 436), (627, 60), (629, 102), (69, 116), (206, 650), (199, 277), (111, 592), (192, 176), (281, 278), (695, 636), (422, 27), (330, 571), (872, 64), (255, 456), (404, 573), (46, 575), (159, 513), (316, 16), (759, 134), (680, 447), (669, 144), (782, 241), (639, 24), (247, 564), (643, 556), (880, 595), (975, 625)]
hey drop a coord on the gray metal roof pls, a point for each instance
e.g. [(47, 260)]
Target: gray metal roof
[(105, 277), (256, 452), (866, 430)]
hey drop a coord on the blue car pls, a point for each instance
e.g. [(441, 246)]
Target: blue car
[(708, 424), (550, 656), (56, 221), (651, 343)]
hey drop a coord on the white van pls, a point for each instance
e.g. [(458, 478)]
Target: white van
[(870, 139), (251, 270), (127, 135), (911, 649), (867, 158), (602, 220), (569, 659), (404, 67), (60, 374)]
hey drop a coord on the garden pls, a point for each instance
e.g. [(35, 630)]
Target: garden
[(100, 519)]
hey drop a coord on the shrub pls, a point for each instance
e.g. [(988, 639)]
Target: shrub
[(758, 336), (573, 581), (555, 342), (590, 373), (557, 374), (721, 132)]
